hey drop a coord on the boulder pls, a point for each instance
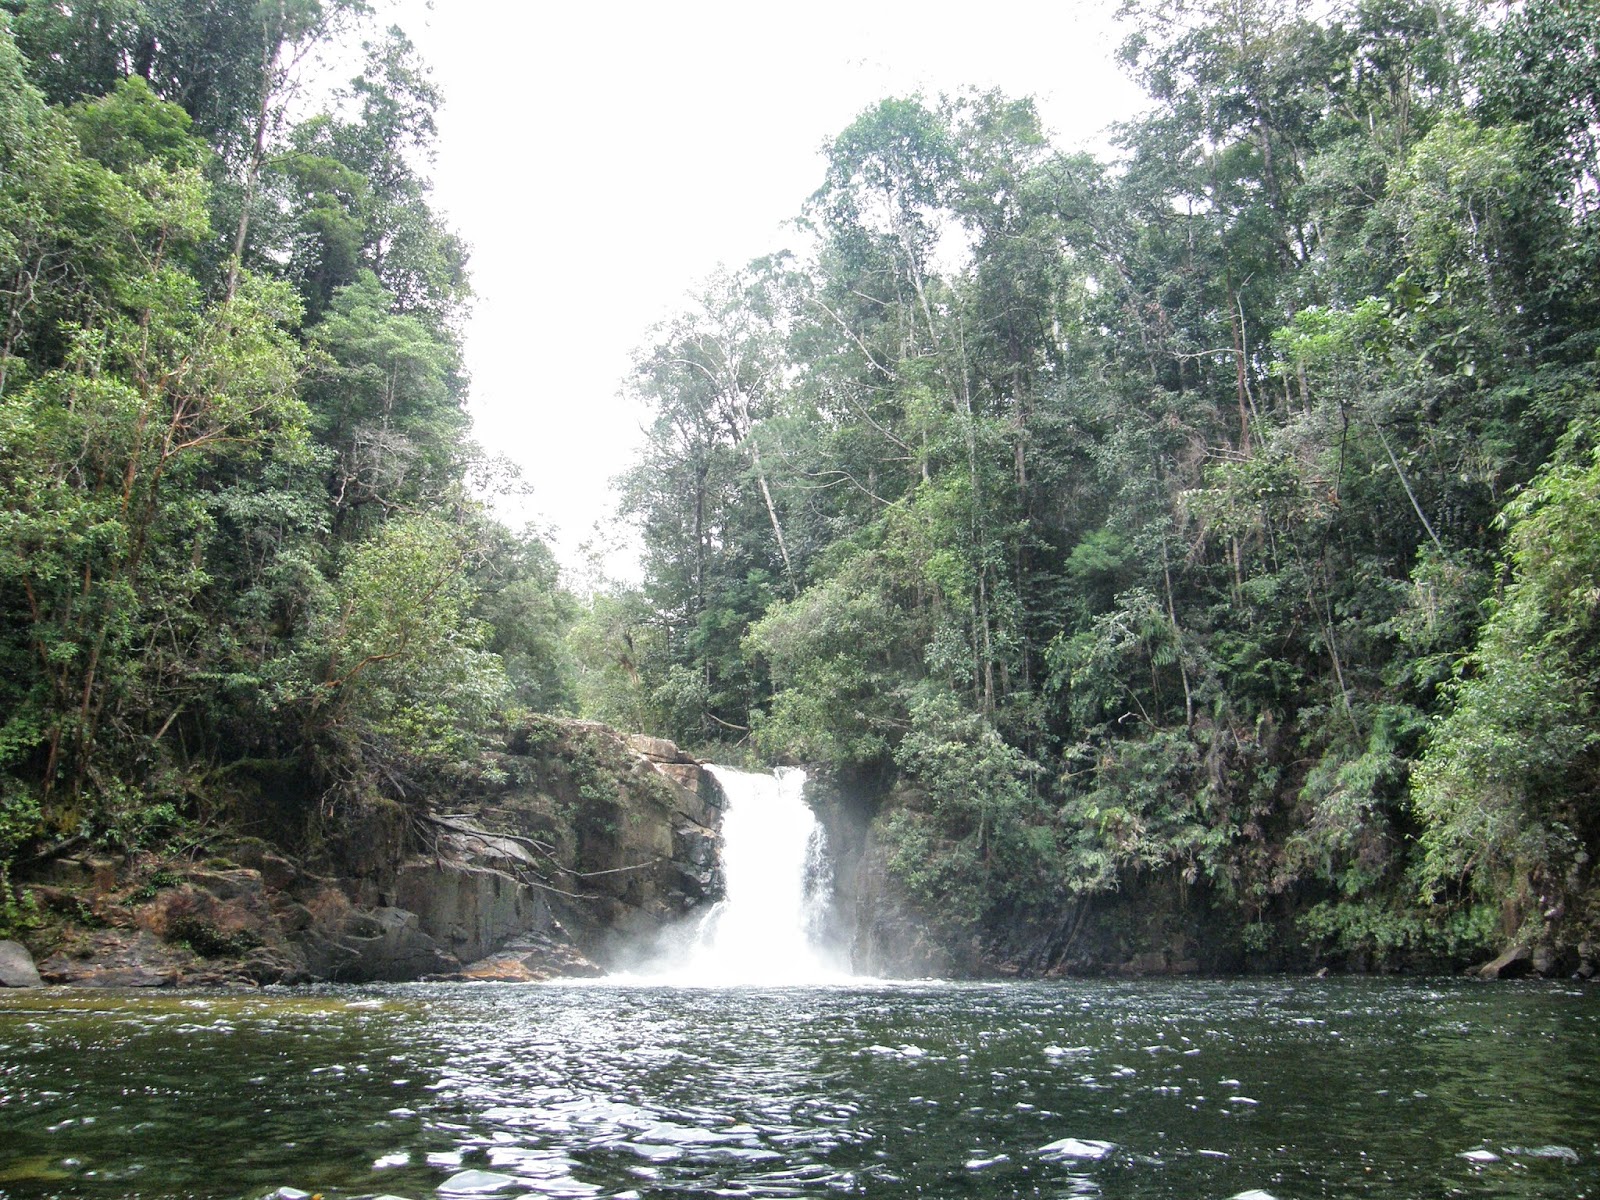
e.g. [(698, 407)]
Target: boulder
[(1516, 961), (532, 958), (689, 776), (16, 967), (655, 749)]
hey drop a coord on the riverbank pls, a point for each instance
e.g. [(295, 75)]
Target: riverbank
[(574, 843), (536, 864)]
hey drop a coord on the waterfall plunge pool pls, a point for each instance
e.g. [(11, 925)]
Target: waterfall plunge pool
[(800, 1081), (1331, 1088)]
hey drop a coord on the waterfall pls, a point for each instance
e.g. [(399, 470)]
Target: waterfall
[(770, 925)]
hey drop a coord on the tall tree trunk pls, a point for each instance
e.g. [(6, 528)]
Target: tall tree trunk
[(271, 48)]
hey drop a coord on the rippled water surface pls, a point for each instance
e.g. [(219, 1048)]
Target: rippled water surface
[(1192, 1089)]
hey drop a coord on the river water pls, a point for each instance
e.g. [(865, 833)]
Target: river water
[(1294, 1088), (738, 1060)]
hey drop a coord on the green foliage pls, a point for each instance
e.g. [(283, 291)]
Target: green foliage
[(392, 652), (529, 616), (1507, 785), (1379, 933), (1177, 475), (833, 653), (130, 126), (1134, 516), (208, 551), (975, 832), (616, 647)]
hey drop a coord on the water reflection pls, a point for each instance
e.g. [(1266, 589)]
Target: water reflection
[(1340, 1088)]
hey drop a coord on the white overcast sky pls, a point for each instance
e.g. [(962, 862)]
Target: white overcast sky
[(601, 159)]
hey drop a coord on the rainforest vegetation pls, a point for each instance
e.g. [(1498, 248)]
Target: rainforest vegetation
[(239, 531), (1224, 508)]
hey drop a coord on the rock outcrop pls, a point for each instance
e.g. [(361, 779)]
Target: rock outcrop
[(570, 844)]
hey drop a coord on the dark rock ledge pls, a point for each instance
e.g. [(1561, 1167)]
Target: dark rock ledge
[(570, 845)]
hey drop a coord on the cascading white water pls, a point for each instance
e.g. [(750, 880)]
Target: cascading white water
[(768, 928)]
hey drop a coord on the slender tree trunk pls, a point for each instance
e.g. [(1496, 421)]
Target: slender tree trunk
[(1177, 637), (271, 49)]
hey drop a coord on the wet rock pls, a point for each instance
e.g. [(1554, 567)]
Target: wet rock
[(1512, 964), (468, 910), (476, 1183), (1151, 962), (502, 968), (17, 969), (119, 958), (574, 844), (377, 945), (268, 964), (1076, 1148), (695, 855), (533, 958)]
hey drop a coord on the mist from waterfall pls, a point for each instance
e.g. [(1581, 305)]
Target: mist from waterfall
[(770, 927)]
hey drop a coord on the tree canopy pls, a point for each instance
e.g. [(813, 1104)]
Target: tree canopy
[(1213, 512)]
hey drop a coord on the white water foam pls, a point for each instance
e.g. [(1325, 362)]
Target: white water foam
[(769, 928)]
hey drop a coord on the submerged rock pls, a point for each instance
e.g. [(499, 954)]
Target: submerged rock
[(983, 1164), (1073, 1148), (1559, 1153), (476, 1183)]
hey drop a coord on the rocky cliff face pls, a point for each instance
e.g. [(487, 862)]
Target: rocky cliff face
[(885, 933), (1156, 923), (1154, 926), (572, 843)]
